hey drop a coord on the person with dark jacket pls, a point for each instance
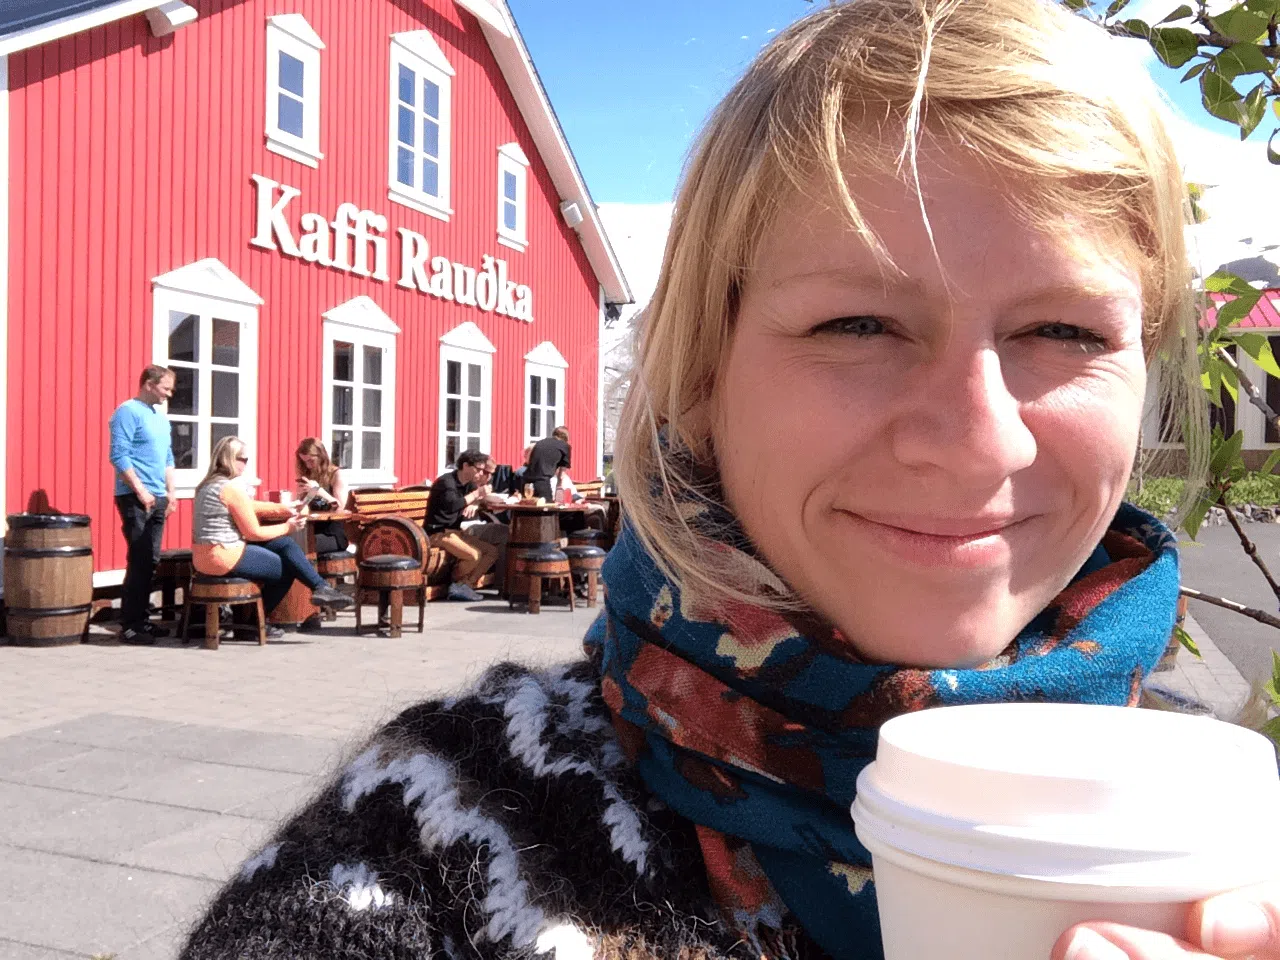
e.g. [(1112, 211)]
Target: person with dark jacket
[(548, 459), (456, 496)]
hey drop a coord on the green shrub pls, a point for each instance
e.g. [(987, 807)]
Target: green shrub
[(1262, 490), (1158, 496)]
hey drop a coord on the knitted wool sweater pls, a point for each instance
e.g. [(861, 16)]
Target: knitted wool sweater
[(504, 823)]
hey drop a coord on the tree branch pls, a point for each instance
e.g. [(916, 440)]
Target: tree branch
[(1240, 608), (1248, 545), (1255, 395)]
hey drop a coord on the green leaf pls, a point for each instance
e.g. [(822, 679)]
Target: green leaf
[(1139, 28), (1076, 4), (1219, 97), (1270, 465), (1224, 281), (1180, 14), (1255, 108), (1240, 25), (1231, 384), (1174, 45), (1239, 308), (1266, 8), (1272, 153), (1275, 668), (1196, 515), (1259, 347), (1184, 638), (1241, 59), (1226, 454), (1116, 7), (1195, 71)]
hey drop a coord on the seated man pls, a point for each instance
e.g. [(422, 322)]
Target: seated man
[(451, 495), (484, 520)]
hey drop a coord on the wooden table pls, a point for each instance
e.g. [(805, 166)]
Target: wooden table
[(532, 526), (296, 605)]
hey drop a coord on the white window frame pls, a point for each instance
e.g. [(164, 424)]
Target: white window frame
[(466, 344), (512, 161), (209, 289), (547, 362), (362, 322), (418, 51), (290, 33)]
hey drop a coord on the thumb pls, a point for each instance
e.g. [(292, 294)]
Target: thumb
[(1243, 922)]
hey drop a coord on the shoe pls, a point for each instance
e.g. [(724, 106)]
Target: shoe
[(311, 625), (136, 637), (155, 629), (326, 596), (461, 591), (273, 632)]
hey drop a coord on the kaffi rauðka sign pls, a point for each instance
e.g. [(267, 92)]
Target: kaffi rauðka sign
[(355, 236)]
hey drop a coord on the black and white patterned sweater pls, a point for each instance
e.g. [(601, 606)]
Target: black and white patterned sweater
[(505, 823)]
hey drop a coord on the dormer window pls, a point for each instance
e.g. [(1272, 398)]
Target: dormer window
[(293, 88), (513, 181)]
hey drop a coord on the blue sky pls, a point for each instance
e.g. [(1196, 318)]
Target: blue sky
[(632, 80)]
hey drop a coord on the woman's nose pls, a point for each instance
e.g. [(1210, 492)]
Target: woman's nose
[(963, 419)]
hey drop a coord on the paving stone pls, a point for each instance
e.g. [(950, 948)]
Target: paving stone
[(163, 946), (211, 849), (12, 950), (102, 729), (85, 907), (276, 806), (208, 786), (101, 771), (288, 753), (21, 752)]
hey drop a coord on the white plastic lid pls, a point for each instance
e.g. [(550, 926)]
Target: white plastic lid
[(1072, 793)]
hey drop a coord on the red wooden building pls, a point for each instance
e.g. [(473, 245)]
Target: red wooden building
[(353, 220)]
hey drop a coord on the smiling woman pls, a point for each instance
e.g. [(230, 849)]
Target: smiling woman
[(885, 405)]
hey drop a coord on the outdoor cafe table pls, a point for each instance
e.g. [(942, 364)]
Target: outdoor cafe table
[(532, 525), (296, 605)]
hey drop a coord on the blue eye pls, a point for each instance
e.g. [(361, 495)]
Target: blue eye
[(853, 326), (1066, 331)]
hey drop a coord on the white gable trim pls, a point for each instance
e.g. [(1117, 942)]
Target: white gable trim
[(76, 23), (517, 68), (423, 46), (467, 336), (209, 278), (545, 354), (296, 26), (362, 312), (485, 12), (513, 152)]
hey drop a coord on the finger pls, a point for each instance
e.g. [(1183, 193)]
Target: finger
[(1114, 941), (1239, 923)]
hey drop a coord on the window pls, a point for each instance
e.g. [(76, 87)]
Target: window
[(360, 390), (421, 95), (466, 391), (544, 378), (513, 176), (206, 329), (293, 89)]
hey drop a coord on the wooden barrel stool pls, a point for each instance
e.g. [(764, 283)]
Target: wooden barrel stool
[(212, 593), (543, 563), (591, 538), (336, 567), (172, 572), (586, 561), (48, 578), (385, 578)]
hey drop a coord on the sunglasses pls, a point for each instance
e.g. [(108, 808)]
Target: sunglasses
[(243, 459)]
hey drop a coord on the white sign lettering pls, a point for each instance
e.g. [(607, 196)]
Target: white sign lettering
[(355, 236)]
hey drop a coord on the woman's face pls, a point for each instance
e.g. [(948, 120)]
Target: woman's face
[(928, 459), (309, 460), (240, 462)]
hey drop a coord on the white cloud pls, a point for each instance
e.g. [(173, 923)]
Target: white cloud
[(638, 233)]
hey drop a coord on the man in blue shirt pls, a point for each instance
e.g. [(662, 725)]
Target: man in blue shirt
[(142, 455)]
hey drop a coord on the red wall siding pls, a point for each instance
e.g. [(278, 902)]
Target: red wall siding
[(132, 156)]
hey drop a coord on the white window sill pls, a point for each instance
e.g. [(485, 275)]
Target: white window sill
[(418, 201), (294, 152), (515, 243), (368, 478), (186, 489)]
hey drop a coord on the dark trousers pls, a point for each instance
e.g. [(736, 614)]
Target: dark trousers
[(541, 488), (143, 530), (275, 564)]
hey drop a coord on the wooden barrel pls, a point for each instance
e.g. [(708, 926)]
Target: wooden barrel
[(396, 535), (48, 578), (529, 530)]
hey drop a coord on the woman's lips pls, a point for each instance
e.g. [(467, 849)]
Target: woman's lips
[(967, 542)]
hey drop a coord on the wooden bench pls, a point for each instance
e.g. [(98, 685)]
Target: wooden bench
[(409, 504)]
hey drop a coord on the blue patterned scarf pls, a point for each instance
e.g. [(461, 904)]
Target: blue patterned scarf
[(755, 724)]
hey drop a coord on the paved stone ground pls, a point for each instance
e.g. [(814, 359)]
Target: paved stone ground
[(134, 780)]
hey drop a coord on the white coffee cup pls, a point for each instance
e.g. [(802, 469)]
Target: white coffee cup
[(995, 827)]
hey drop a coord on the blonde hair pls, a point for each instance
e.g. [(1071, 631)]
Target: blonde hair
[(222, 460), (1023, 85)]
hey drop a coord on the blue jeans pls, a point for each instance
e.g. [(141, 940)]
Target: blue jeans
[(275, 564)]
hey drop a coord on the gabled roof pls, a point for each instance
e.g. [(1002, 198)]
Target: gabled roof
[(28, 23)]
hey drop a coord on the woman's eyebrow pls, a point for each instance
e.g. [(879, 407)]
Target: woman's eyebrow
[(855, 279), (1080, 292)]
